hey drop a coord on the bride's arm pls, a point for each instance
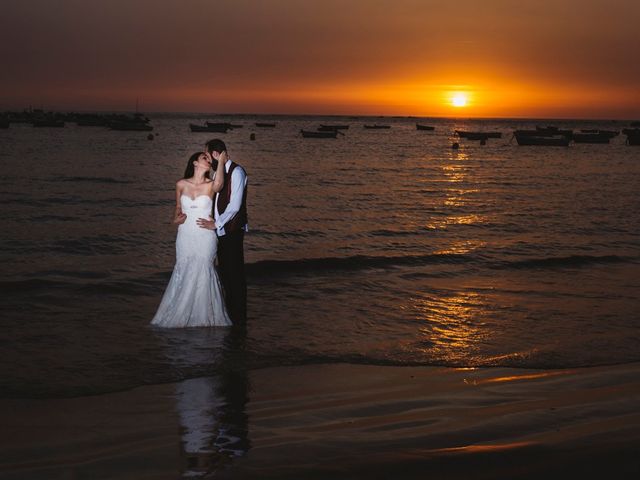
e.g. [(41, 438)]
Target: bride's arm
[(218, 178), (178, 216)]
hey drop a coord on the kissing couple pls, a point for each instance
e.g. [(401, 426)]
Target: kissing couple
[(211, 214)]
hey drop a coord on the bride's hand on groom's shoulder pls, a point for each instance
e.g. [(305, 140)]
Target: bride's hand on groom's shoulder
[(207, 223)]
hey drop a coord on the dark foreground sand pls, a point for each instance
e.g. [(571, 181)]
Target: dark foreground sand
[(343, 421)]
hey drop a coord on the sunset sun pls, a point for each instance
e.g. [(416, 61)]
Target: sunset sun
[(459, 99)]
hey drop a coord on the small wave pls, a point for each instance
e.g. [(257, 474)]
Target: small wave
[(363, 262), (357, 262), (88, 283), (156, 374), (77, 274), (96, 282), (392, 233), (506, 361), (568, 261), (292, 234), (112, 202), (28, 286), (52, 218), (92, 180)]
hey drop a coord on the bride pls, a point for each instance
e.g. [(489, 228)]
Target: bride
[(194, 297)]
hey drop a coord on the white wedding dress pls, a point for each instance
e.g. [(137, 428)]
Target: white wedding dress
[(193, 297)]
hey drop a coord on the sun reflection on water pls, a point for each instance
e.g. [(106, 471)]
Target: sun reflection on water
[(456, 194), (455, 198), (452, 324), (461, 247), (458, 155), (469, 219)]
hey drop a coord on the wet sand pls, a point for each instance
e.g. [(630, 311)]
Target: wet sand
[(342, 421)]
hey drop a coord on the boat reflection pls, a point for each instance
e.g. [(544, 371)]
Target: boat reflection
[(212, 409)]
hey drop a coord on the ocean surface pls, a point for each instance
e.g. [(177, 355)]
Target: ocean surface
[(382, 247)]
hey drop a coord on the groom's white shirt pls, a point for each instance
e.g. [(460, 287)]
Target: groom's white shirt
[(238, 184)]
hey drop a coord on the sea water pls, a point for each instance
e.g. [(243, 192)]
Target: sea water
[(383, 247)]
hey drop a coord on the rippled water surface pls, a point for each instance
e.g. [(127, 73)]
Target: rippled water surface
[(382, 247)]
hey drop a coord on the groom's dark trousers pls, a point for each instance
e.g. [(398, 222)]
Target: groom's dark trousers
[(231, 270)]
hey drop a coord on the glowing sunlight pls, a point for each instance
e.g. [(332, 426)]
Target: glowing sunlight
[(459, 99)]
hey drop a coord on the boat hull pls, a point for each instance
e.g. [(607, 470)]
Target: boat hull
[(48, 123), (591, 138), (225, 125), (548, 141), (208, 128), (328, 128), (608, 133), (310, 134), (478, 135), (633, 139)]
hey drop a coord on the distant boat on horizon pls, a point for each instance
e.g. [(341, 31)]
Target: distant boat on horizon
[(633, 136), (610, 133), (527, 138), (90, 120), (48, 122), (478, 135), (377, 127), (591, 137), (211, 128), (424, 127), (125, 123), (265, 125), (319, 134), (130, 126), (327, 128), (551, 130), (229, 126)]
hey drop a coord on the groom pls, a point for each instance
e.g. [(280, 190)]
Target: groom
[(230, 223)]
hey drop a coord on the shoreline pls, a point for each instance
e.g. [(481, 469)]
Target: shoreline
[(58, 396), (337, 421)]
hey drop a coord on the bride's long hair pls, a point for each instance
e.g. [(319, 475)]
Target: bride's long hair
[(190, 170)]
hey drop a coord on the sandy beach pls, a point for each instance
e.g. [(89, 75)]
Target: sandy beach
[(343, 421)]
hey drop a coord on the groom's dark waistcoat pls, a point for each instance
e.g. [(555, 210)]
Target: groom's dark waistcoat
[(240, 219)]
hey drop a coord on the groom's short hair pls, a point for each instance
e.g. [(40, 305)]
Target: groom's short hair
[(216, 145)]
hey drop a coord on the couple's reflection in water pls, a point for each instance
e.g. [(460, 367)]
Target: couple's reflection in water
[(211, 408)]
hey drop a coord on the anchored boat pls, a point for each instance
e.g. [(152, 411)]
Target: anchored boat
[(311, 134)]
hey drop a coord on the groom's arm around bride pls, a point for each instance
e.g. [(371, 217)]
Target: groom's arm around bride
[(230, 223)]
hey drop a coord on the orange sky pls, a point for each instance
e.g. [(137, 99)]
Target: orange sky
[(512, 58)]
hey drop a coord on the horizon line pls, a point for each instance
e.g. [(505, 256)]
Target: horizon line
[(435, 117)]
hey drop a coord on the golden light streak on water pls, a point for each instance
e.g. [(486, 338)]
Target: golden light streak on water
[(453, 324)]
